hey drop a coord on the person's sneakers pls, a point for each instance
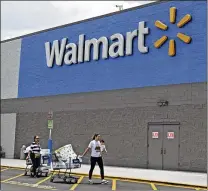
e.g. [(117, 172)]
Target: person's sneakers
[(90, 181), (104, 182)]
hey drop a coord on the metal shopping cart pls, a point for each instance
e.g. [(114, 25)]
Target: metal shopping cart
[(43, 169), (65, 159)]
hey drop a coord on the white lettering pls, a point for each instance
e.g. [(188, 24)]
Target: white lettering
[(119, 44), (129, 42), (50, 54), (77, 53), (81, 48), (96, 46), (141, 39), (71, 56)]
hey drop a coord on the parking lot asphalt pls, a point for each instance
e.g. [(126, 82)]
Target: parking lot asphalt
[(14, 180)]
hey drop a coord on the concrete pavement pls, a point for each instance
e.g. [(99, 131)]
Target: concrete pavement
[(13, 179), (172, 177)]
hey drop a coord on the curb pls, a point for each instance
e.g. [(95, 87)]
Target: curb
[(164, 183)]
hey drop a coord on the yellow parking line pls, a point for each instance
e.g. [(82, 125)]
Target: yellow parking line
[(114, 184), (177, 186), (153, 186), (30, 185), (4, 169), (43, 180), (133, 181), (161, 184), (13, 178), (75, 185)]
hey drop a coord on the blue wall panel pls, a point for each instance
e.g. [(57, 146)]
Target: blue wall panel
[(138, 70)]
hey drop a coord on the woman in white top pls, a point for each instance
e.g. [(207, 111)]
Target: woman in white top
[(96, 157)]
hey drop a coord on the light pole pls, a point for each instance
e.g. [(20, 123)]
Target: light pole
[(50, 142)]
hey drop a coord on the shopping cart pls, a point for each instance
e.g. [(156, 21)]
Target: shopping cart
[(43, 168), (65, 159)]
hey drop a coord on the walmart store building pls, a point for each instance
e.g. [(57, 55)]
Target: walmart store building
[(138, 77)]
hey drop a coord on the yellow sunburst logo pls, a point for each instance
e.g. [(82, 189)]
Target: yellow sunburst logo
[(183, 37)]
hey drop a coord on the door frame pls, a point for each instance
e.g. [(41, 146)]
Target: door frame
[(163, 123)]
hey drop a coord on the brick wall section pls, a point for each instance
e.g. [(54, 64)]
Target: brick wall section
[(137, 97), (125, 132), (123, 128)]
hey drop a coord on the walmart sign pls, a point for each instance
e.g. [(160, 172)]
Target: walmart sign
[(70, 53), (161, 44)]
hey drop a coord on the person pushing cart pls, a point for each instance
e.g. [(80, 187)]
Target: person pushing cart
[(96, 157), (34, 154)]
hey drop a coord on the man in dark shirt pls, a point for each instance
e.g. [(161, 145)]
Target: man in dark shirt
[(34, 154)]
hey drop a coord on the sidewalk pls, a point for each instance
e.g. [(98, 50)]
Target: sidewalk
[(176, 177)]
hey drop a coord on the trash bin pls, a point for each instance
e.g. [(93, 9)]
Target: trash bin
[(22, 153)]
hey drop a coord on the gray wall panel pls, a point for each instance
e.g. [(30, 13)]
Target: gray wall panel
[(10, 63), (124, 130), (141, 97), (122, 118), (8, 129)]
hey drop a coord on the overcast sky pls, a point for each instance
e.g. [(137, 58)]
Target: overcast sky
[(23, 17)]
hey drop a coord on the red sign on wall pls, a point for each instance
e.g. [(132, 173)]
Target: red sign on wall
[(155, 135), (170, 135)]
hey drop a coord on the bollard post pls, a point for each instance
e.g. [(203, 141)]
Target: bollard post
[(22, 154)]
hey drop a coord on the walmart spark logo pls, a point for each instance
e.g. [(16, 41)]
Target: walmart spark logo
[(183, 37)]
